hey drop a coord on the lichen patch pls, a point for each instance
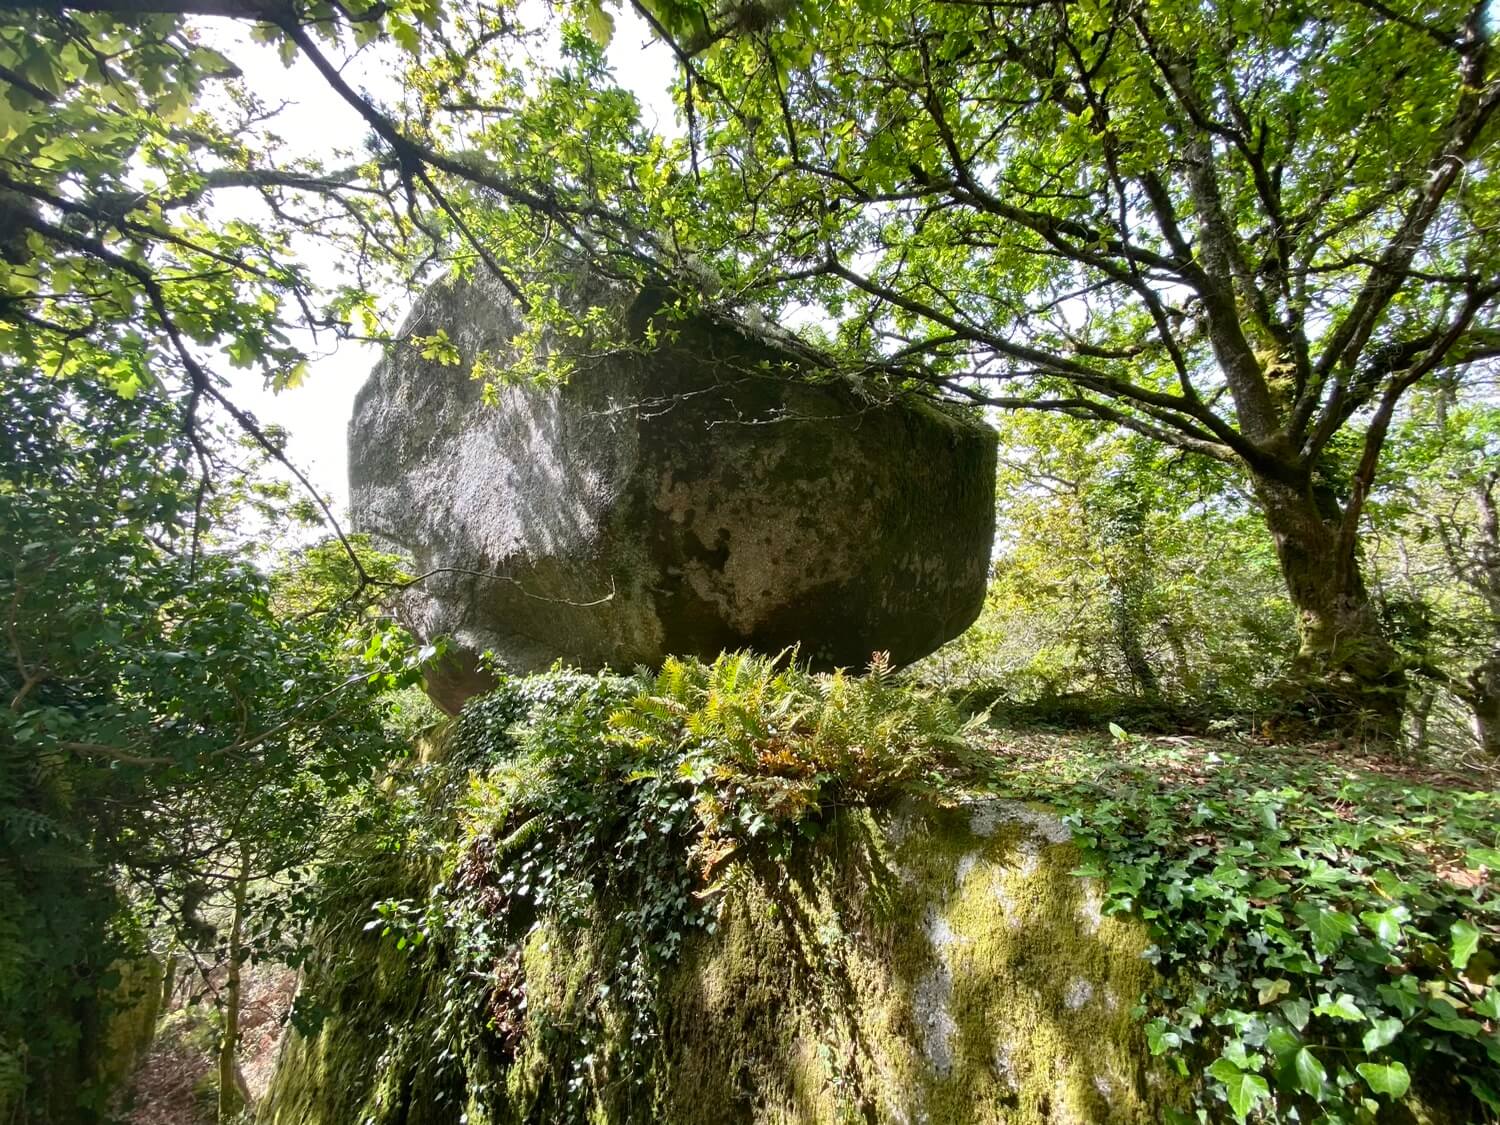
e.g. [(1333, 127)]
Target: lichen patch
[(1079, 992), (986, 816)]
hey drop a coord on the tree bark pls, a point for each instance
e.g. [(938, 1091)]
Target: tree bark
[(1125, 606), (1482, 686), (168, 980), (232, 1094), (1347, 676), (1421, 712), (1482, 694)]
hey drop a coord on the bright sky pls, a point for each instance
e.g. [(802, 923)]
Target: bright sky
[(316, 414)]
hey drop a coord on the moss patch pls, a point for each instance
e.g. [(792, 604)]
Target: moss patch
[(931, 965), (923, 965)]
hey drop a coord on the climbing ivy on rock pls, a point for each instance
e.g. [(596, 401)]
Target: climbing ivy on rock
[(612, 805), (1330, 937)]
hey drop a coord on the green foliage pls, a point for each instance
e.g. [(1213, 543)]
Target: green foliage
[(611, 804), (161, 720), (1436, 540), (1122, 574), (769, 741), (1245, 231), (1330, 936)]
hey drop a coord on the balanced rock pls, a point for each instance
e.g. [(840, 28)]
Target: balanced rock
[(684, 497)]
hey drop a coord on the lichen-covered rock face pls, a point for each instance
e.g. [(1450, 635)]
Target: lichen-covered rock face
[(937, 966), (685, 498), (934, 967)]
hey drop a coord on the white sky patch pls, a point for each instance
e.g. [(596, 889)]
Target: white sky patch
[(317, 122)]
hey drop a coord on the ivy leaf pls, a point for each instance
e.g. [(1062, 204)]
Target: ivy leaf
[(1465, 937), (1160, 1038), (1483, 857), (1329, 928), (1243, 1089), (1234, 1051), (1389, 1079), (1343, 1008), (1310, 1073), (1385, 924), (1283, 1042), (1382, 1033), (1484, 1091), (1470, 1029), (1272, 990), (1296, 1012)]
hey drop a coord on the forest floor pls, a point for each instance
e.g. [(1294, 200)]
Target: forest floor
[(175, 1083), (1162, 811), (1193, 759), (1323, 906)]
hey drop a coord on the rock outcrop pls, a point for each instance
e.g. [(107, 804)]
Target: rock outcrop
[(923, 965), (686, 497)]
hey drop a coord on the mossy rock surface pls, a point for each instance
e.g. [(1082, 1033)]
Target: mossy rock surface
[(693, 493), (919, 965), (129, 1024)]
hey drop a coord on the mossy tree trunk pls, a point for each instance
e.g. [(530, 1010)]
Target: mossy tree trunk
[(168, 980), (1482, 694), (1126, 608), (1481, 689), (1346, 674), (232, 1092)]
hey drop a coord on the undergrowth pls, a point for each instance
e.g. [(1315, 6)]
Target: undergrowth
[(613, 804), (1327, 935)]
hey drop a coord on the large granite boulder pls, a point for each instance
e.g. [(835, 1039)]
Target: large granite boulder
[(685, 497)]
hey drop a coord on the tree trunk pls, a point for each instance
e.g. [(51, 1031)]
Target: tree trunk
[(1421, 711), (1127, 614), (168, 980), (1347, 676), (1187, 675), (1483, 697), (1482, 692), (232, 1094)]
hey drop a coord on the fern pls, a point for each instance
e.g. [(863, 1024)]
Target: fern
[(19, 824), (521, 837)]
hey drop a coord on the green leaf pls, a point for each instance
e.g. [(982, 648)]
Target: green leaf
[(1381, 1033), (1243, 1088), (1329, 928), (1310, 1073), (599, 24), (1296, 1012), (1456, 1024), (406, 35), (1283, 1042), (1385, 924), (1483, 857), (1342, 1008), (1160, 1038), (1389, 1079), (1271, 990), (1465, 937)]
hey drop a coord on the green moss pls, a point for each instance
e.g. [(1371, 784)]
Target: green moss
[(131, 1009), (919, 970), (924, 965)]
